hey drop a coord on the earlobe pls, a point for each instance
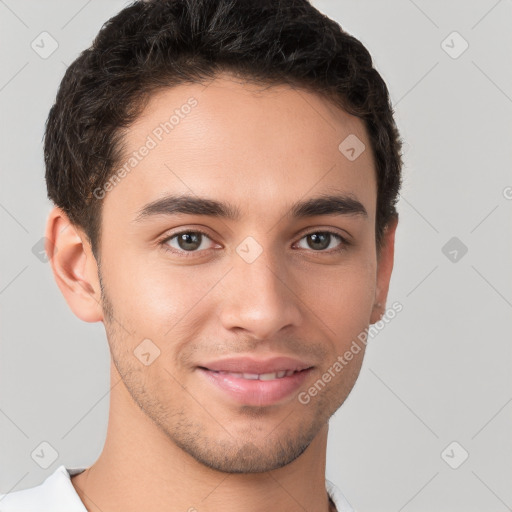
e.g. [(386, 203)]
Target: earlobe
[(385, 262), (74, 266)]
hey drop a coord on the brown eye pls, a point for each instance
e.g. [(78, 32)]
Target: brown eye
[(322, 240), (319, 241), (187, 241)]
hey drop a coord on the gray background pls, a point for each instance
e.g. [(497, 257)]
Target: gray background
[(438, 373)]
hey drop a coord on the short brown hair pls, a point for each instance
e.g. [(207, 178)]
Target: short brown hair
[(155, 44)]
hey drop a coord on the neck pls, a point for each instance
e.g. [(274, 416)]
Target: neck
[(140, 468)]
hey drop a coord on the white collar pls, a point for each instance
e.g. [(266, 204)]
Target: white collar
[(57, 494)]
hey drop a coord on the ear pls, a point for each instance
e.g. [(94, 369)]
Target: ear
[(385, 259), (74, 266)]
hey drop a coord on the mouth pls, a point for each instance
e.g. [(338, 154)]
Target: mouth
[(258, 376), (250, 382)]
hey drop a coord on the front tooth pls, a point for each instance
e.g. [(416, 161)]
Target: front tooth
[(253, 376), (237, 375), (267, 376), (281, 373)]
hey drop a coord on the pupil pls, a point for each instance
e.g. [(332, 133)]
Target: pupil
[(319, 238), (189, 241)]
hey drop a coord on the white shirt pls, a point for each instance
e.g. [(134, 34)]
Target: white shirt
[(57, 494)]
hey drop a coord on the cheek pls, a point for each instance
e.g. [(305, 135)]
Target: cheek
[(343, 299), (154, 295)]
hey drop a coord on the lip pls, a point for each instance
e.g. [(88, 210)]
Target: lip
[(254, 391), (251, 365)]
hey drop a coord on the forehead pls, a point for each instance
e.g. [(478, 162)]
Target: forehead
[(256, 147)]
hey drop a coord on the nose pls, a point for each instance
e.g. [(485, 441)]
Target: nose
[(260, 298)]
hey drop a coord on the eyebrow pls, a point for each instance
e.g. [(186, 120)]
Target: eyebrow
[(325, 204)]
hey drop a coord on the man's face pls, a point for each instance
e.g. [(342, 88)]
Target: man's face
[(267, 284)]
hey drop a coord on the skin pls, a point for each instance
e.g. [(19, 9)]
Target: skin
[(174, 442)]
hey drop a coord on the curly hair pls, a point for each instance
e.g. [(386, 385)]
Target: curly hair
[(155, 44)]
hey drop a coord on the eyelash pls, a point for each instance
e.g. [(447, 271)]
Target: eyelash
[(344, 243)]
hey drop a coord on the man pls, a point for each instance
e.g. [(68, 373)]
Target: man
[(225, 175)]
